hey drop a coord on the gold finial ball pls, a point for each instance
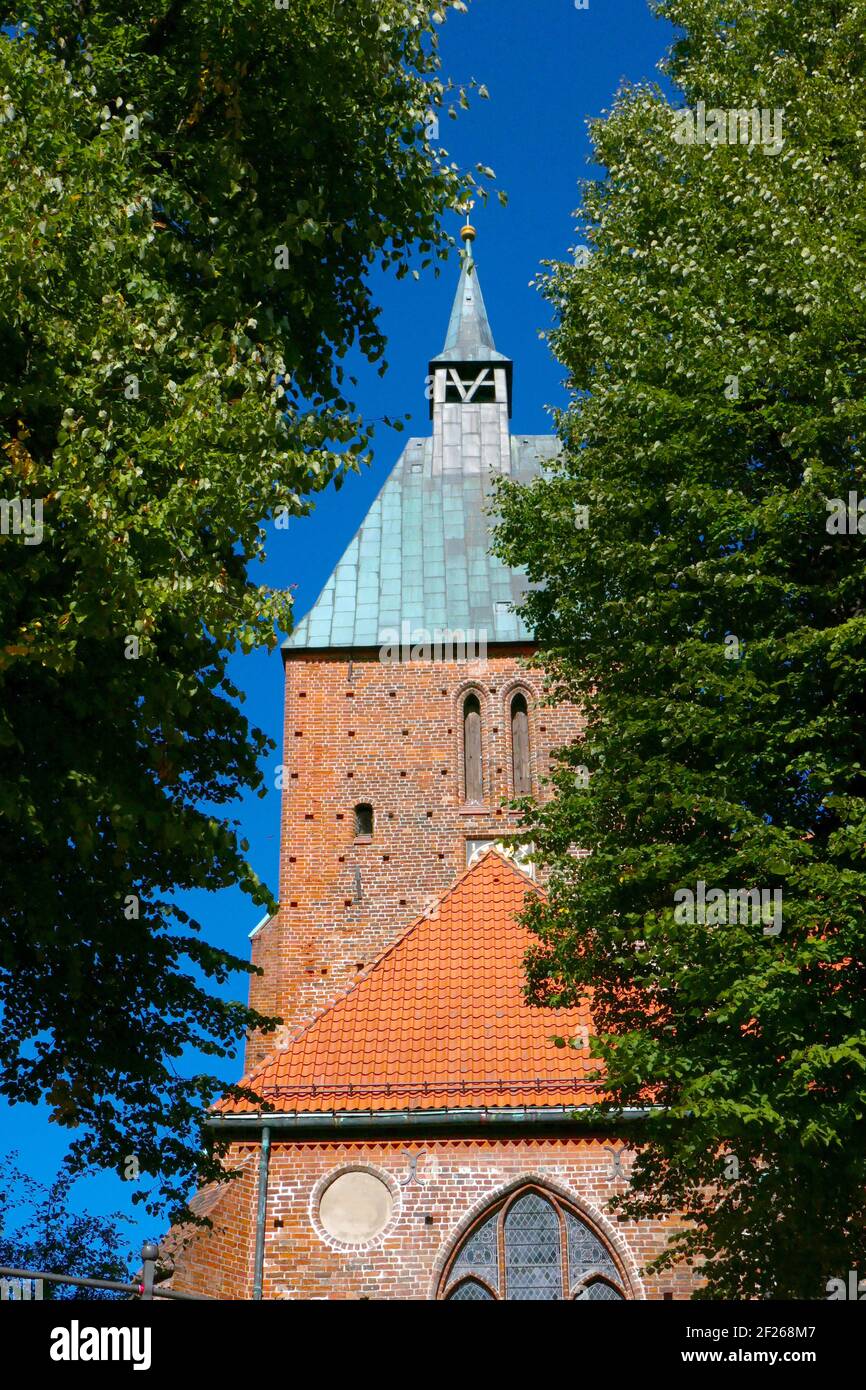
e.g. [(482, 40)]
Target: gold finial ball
[(468, 231)]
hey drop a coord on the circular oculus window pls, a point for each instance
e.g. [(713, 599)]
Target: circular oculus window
[(355, 1206)]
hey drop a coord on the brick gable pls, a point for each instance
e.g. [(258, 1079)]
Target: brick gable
[(359, 731)]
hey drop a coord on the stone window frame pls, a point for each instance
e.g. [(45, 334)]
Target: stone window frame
[(627, 1285), (325, 1181)]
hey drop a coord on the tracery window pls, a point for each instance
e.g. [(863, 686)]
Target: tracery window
[(469, 1291), (531, 1246)]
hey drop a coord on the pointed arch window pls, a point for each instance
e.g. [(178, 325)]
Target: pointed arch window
[(470, 1291), (533, 1259), (598, 1291), (521, 759), (532, 1247), (473, 768)]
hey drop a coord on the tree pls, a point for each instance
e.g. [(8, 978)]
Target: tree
[(195, 195), (49, 1236), (706, 609)]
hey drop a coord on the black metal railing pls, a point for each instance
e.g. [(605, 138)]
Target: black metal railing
[(145, 1288)]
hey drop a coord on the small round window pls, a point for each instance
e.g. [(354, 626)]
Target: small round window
[(356, 1206)]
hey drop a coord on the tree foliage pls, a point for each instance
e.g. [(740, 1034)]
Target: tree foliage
[(39, 1231), (195, 194), (710, 619)]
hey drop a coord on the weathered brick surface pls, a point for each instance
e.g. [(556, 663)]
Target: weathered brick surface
[(365, 732), (390, 736), (456, 1181), (219, 1262)]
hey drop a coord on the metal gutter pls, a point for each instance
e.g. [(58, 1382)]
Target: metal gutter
[(264, 1157), (427, 1120)]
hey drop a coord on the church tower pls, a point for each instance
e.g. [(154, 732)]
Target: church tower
[(410, 718), (413, 1134)]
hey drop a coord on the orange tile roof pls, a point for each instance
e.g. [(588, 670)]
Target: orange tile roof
[(439, 1021)]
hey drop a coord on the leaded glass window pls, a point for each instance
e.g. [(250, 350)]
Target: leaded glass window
[(585, 1252), (598, 1292), (469, 1292), (533, 1260), (532, 1247), (480, 1254)]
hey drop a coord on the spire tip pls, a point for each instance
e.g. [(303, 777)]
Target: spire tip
[(467, 231)]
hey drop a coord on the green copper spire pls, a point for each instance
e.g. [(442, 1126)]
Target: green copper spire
[(422, 560), (469, 337)]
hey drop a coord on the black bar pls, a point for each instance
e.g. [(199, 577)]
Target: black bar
[(115, 1284)]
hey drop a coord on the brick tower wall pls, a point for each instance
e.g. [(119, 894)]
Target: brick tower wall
[(368, 732)]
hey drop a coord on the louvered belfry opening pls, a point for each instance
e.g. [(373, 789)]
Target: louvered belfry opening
[(473, 771)]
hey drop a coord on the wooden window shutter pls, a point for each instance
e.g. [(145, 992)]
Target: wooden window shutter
[(520, 757), (472, 769)]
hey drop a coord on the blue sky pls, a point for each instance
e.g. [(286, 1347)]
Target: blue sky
[(548, 67)]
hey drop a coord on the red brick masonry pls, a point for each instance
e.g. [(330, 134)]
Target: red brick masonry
[(356, 732), (390, 736), (456, 1181)]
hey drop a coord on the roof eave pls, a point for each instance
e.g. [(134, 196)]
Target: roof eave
[(362, 652), (462, 1118)]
